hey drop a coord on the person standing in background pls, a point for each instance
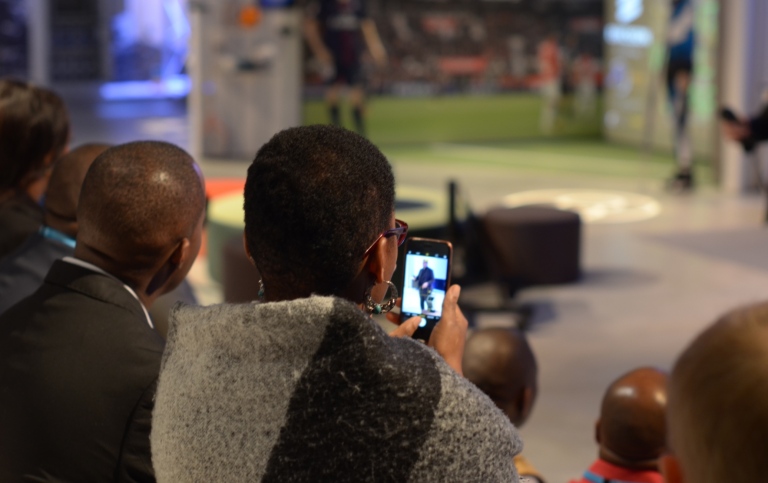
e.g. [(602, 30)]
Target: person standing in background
[(585, 72), (681, 40), (337, 32), (550, 67)]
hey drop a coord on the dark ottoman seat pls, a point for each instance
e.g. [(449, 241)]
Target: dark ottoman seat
[(534, 245)]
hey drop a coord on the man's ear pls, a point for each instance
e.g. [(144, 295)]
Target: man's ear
[(669, 466), (181, 252), (178, 256), (524, 402), (597, 432)]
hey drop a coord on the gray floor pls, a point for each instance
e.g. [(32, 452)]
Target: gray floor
[(648, 287)]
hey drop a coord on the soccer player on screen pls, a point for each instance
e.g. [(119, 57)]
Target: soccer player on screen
[(337, 32)]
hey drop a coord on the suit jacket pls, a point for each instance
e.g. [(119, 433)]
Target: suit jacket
[(23, 271), (78, 374), (426, 275), (20, 217)]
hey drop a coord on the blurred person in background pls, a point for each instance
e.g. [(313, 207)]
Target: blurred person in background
[(34, 132), (23, 271), (550, 72), (500, 363), (681, 42), (337, 32), (631, 430), (718, 403)]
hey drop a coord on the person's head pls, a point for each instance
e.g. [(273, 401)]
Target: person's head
[(140, 215), (501, 363), (316, 198), (34, 131), (718, 403), (64, 186), (631, 430), (425, 263)]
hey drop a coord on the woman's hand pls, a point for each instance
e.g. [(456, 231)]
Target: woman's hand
[(450, 333), (448, 336), (736, 130), (405, 329)]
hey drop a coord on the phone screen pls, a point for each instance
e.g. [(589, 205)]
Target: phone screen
[(427, 274)]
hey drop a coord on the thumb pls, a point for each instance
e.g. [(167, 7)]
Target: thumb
[(407, 328)]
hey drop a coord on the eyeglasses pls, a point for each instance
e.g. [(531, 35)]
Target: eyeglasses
[(400, 229)]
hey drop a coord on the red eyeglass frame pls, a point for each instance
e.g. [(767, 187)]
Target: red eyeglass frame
[(400, 229)]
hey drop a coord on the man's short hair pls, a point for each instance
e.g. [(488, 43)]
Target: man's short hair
[(66, 181), (632, 416), (501, 363), (316, 197), (34, 124), (138, 198), (718, 407)]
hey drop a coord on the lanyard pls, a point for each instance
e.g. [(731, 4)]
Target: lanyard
[(58, 236), (595, 478)]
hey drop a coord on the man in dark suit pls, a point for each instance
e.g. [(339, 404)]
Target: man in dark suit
[(79, 358), (424, 281), (24, 270)]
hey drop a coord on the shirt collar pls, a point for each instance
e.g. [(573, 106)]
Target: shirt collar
[(94, 268)]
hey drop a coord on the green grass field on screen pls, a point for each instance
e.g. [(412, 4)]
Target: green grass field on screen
[(466, 118)]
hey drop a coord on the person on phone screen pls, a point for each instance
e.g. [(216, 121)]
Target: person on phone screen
[(425, 281)]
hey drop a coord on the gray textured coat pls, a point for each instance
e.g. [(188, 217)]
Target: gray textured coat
[(313, 390)]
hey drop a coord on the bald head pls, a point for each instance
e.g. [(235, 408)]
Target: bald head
[(138, 201), (65, 183), (632, 427), (718, 405), (501, 363)]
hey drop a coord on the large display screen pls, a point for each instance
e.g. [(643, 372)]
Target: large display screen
[(462, 70)]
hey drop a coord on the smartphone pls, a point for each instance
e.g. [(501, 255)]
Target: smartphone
[(426, 277)]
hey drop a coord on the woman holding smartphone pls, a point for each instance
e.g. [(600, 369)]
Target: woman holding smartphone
[(304, 385)]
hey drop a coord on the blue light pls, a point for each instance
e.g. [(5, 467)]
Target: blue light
[(169, 88)]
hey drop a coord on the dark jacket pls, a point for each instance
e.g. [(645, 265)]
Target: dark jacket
[(78, 375), (426, 275), (23, 271), (20, 217)]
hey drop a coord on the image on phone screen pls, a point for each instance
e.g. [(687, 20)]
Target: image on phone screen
[(426, 278)]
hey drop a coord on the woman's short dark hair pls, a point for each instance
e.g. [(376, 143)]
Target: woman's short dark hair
[(33, 125), (316, 198)]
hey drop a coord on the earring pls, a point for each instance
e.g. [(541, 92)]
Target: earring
[(261, 289), (391, 298)]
